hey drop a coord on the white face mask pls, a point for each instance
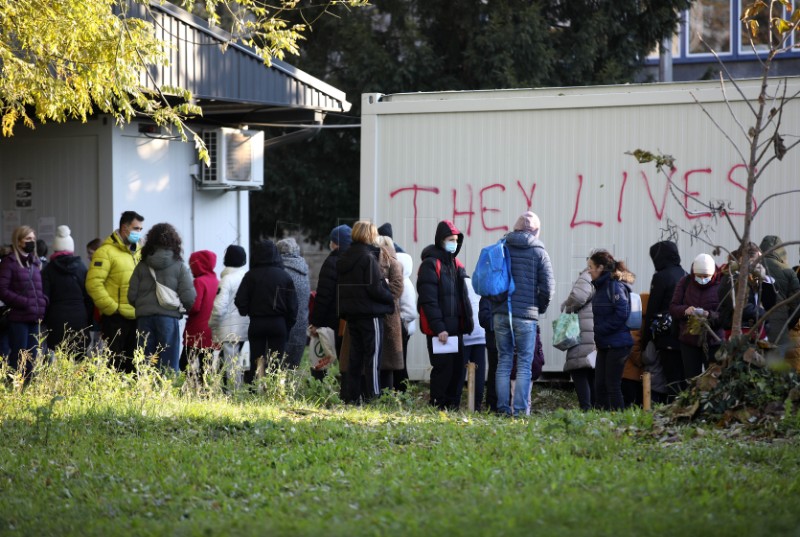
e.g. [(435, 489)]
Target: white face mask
[(451, 247), (702, 281)]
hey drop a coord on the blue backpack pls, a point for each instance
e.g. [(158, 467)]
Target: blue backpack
[(492, 276)]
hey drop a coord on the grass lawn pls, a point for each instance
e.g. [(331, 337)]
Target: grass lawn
[(87, 452)]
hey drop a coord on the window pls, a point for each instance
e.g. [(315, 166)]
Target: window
[(710, 26), (761, 40)]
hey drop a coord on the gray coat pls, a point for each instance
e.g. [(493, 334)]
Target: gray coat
[(580, 301), (297, 268), (786, 286), (170, 272)]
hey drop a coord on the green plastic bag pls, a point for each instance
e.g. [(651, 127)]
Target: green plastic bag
[(566, 331)]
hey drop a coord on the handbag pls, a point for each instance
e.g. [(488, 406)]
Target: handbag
[(167, 298), (566, 331)]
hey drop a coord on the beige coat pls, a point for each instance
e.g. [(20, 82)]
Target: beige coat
[(392, 348)]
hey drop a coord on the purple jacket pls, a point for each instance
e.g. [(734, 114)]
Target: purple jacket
[(690, 293), (21, 289)]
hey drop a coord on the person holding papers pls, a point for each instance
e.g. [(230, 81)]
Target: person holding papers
[(445, 314)]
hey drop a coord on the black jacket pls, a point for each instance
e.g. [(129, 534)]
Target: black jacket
[(667, 262), (63, 283), (325, 312), (267, 290), (363, 292), (443, 297)]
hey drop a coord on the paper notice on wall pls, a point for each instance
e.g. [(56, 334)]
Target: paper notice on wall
[(11, 221), (47, 229), (23, 194)]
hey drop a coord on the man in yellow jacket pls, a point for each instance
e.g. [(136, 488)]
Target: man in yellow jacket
[(107, 283)]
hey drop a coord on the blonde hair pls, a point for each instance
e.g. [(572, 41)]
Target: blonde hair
[(385, 242), (18, 234), (364, 231)]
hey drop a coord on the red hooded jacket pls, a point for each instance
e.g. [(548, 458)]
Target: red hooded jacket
[(197, 333)]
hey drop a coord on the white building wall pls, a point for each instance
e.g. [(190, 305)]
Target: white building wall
[(482, 158)]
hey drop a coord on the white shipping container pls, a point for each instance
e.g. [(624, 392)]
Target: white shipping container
[(481, 158)]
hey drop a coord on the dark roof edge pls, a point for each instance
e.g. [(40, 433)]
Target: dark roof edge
[(225, 37)]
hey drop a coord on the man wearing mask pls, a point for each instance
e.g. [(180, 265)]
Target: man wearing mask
[(107, 283)]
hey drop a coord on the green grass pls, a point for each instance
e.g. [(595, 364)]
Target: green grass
[(84, 451)]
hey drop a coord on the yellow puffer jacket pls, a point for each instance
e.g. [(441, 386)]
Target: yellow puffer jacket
[(109, 276)]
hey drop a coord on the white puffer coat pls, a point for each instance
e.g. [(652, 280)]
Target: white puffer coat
[(226, 323), (408, 300)]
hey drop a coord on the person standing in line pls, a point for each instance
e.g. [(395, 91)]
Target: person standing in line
[(297, 268), (667, 262), (95, 337), (228, 328), (392, 345), (445, 312), (475, 346), (364, 301), (535, 285), (578, 363), (69, 313), (107, 283), (158, 325), (21, 290), (268, 297), (697, 294), (786, 286), (487, 322), (408, 316), (325, 312), (611, 306), (197, 338)]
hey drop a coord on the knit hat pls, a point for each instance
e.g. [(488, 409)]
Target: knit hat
[(235, 256), (63, 241), (342, 236), (703, 264), (289, 246), (386, 230), (528, 221)]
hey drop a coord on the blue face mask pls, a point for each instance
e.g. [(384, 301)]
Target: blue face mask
[(702, 281), (451, 247), (134, 236)]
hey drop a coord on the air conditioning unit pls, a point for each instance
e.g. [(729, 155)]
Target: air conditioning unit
[(236, 159)]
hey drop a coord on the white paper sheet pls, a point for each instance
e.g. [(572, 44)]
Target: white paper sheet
[(445, 348)]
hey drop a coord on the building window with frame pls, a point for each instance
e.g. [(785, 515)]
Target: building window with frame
[(710, 27), (760, 42)]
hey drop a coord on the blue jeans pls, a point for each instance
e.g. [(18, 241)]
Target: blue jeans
[(524, 339), (163, 337)]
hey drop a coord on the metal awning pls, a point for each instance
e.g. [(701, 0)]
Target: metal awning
[(230, 81)]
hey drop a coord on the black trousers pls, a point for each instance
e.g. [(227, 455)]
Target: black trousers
[(672, 363), (608, 377), (583, 379), (366, 337), (694, 359), (447, 376), (120, 336), (400, 377), (267, 337)]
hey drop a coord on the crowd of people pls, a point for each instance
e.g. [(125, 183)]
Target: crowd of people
[(137, 289)]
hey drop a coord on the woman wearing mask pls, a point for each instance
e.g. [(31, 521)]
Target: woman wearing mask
[(697, 294), (21, 290), (445, 312), (610, 308), (162, 262)]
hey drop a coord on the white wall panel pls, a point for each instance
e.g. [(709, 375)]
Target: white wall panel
[(490, 148)]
